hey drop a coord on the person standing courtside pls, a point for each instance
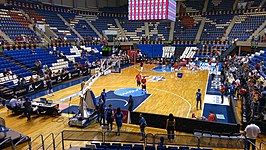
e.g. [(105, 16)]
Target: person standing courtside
[(138, 79), (222, 90), (142, 125), (82, 85), (251, 131), (130, 106), (170, 127), (27, 111), (119, 120), (110, 117), (198, 99), (103, 96), (49, 87)]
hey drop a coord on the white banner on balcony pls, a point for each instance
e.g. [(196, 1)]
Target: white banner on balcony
[(110, 32)]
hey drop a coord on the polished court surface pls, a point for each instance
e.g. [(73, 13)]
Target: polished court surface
[(172, 95)]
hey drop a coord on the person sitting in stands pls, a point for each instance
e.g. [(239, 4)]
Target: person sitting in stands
[(161, 143), (5, 72), (23, 82), (212, 117), (13, 103), (32, 51), (31, 79)]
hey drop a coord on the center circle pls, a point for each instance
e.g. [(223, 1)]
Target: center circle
[(162, 68), (129, 91)]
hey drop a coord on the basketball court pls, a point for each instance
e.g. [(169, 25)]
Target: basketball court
[(166, 93)]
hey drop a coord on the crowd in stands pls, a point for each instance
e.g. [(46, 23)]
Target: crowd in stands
[(248, 83)]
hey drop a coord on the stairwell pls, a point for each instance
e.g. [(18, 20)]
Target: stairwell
[(66, 23), (262, 3), (197, 39), (205, 5), (229, 28), (7, 38), (122, 32), (171, 33), (228, 51), (93, 28), (38, 32), (146, 24), (235, 4), (261, 27)]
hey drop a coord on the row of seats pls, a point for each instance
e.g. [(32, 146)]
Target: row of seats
[(119, 146)]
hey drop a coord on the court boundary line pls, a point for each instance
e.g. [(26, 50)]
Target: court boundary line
[(190, 106), (206, 88), (142, 103)]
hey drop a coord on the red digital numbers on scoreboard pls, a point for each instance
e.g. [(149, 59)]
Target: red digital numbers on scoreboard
[(151, 9)]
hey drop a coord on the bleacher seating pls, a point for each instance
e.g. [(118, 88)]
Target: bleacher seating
[(133, 29), (17, 71), (28, 59), (209, 50), (104, 23), (13, 24), (215, 26), (118, 146), (57, 25), (186, 29), (245, 26), (84, 29)]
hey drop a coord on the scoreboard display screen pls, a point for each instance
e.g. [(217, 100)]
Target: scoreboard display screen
[(152, 10)]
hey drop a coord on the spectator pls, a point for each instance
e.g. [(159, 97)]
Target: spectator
[(31, 79), (170, 127), (212, 117), (251, 131), (161, 143), (142, 125), (28, 108), (119, 120), (110, 117)]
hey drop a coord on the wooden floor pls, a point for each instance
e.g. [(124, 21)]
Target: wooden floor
[(173, 95)]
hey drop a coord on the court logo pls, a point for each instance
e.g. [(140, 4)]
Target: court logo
[(156, 79), (129, 91)]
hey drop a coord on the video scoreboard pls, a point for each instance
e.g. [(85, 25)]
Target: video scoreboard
[(152, 10)]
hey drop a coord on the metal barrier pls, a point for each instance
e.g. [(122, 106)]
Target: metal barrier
[(72, 135), (177, 139), (6, 141), (252, 144), (42, 141), (53, 140), (262, 145), (214, 141)]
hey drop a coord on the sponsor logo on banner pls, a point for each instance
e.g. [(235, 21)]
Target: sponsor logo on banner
[(44, 83), (30, 88), (59, 79), (215, 84), (37, 86), (156, 79), (204, 65), (20, 91)]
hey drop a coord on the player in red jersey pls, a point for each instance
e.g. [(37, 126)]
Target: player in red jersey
[(143, 81), (138, 79)]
